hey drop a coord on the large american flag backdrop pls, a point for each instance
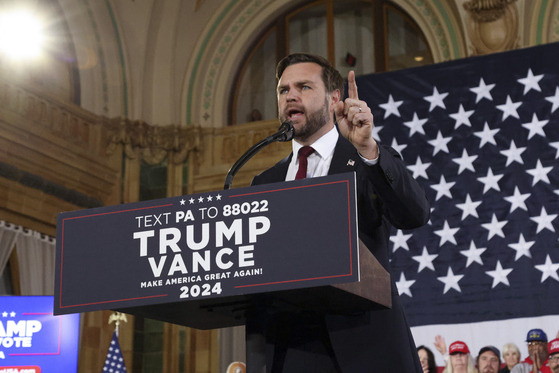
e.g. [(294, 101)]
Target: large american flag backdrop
[(482, 137)]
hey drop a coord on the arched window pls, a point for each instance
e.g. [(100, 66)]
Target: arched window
[(363, 35)]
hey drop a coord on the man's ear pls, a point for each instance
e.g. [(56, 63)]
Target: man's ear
[(335, 97)]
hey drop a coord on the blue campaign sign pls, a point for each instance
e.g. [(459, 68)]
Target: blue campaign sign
[(33, 340), (260, 239)]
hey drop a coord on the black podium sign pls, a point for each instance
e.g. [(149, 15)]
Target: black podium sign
[(261, 239)]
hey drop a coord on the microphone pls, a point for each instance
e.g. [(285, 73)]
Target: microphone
[(285, 133)]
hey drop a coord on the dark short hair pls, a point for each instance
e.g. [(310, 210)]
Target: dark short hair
[(330, 76)]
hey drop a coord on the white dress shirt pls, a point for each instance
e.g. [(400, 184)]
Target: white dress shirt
[(319, 161)]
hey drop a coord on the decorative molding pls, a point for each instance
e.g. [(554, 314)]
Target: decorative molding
[(554, 27), (487, 10), (152, 143), (101, 57), (43, 128), (30, 180), (228, 35), (66, 121), (492, 25), (221, 52), (543, 23), (426, 11)]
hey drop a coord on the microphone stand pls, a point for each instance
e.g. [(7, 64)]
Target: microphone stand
[(285, 133)]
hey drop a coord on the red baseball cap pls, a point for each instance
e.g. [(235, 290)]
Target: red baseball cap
[(458, 346), (553, 347)]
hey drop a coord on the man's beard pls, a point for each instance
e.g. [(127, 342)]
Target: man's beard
[(315, 121)]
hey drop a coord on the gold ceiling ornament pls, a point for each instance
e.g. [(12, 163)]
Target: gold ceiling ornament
[(152, 143), (487, 10), (492, 25)]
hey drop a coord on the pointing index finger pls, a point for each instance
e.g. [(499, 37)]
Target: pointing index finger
[(352, 85)]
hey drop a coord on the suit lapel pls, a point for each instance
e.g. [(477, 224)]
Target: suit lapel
[(279, 171), (345, 157)]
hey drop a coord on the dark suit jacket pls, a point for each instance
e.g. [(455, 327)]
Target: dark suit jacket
[(378, 340)]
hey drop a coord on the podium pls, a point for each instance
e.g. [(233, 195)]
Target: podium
[(222, 259)]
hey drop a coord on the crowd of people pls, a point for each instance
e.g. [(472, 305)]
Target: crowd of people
[(543, 356)]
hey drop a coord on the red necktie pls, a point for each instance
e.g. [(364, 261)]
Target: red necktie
[(304, 152)]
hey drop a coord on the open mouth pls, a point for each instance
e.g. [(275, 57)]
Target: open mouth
[(294, 114)]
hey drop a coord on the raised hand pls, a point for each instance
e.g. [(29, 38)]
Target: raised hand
[(440, 344), (355, 121)]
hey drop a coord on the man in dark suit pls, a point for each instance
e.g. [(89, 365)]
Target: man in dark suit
[(310, 96)]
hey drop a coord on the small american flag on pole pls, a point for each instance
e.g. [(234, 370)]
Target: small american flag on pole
[(114, 362)]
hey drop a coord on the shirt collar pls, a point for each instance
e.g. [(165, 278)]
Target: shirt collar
[(324, 146)]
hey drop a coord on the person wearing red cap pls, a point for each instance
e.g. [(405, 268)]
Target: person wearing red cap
[(460, 359), (553, 349)]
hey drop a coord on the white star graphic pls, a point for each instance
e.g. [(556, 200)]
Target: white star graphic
[(554, 100), (391, 107), (440, 143), (513, 153), (436, 99), (487, 135), (419, 169), (499, 275), (466, 162), (447, 234), (404, 285), (443, 188), (483, 91), (556, 146), (201, 199), (517, 200), (191, 200), (462, 117), (544, 221), (218, 197), (376, 131), (400, 240), (182, 202), (209, 198), (425, 260), (473, 254), (490, 181), (4, 314), (522, 247), (469, 207), (495, 227), (399, 148), (531, 82), (509, 108), (540, 173), (535, 127), (450, 281), (548, 269), (416, 125)]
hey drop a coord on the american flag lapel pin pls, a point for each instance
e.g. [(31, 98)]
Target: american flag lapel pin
[(351, 162)]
